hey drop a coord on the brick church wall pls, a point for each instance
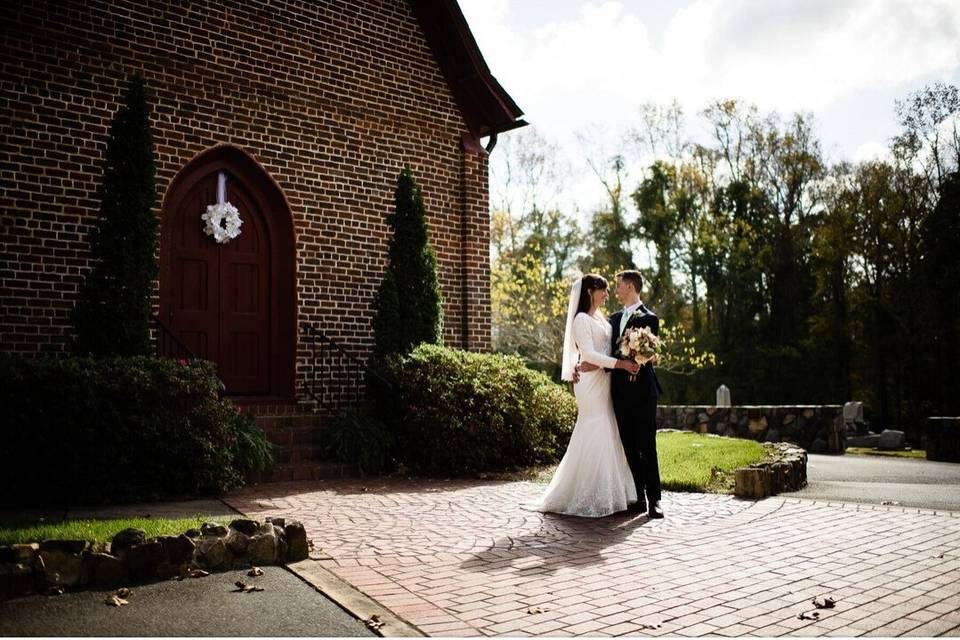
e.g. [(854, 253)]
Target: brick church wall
[(331, 98)]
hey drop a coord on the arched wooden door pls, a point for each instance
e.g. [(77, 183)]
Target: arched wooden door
[(231, 303)]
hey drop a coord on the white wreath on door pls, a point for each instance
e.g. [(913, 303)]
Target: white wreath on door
[(222, 219)]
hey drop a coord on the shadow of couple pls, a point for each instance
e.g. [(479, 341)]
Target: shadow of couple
[(561, 542)]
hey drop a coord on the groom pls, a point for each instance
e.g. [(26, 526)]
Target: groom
[(635, 402)]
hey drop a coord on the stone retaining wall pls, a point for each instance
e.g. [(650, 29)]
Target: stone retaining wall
[(54, 565), (787, 472), (816, 428)]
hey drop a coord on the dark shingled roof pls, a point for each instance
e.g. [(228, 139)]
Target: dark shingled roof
[(485, 105)]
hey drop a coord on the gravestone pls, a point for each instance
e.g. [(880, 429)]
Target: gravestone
[(853, 423), (892, 439), (723, 396)]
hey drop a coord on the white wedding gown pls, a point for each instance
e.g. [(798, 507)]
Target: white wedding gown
[(593, 478)]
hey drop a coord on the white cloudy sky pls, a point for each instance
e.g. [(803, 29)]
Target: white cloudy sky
[(570, 64)]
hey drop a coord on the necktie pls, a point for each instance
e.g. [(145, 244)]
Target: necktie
[(623, 321)]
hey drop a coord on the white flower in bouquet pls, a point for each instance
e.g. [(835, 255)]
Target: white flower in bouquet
[(639, 345)]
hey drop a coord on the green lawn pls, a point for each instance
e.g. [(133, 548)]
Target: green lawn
[(687, 462), (101, 531), (866, 451), (703, 463)]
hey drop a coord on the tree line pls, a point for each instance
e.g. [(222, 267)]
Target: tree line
[(788, 278)]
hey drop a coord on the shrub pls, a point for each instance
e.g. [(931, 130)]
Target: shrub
[(358, 438), (409, 309), (112, 315), (119, 429), (459, 411)]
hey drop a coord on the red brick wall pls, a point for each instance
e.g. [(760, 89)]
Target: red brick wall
[(331, 98)]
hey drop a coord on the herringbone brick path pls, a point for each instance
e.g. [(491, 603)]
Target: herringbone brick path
[(464, 558)]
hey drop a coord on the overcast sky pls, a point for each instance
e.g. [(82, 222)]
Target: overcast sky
[(571, 63)]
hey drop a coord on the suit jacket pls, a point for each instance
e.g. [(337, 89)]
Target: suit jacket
[(645, 385)]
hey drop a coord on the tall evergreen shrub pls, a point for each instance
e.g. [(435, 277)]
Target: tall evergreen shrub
[(409, 306), (112, 315)]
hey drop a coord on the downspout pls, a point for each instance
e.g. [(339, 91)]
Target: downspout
[(492, 142)]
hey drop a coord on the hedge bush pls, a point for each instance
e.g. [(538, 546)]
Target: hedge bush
[(458, 411), (120, 429)]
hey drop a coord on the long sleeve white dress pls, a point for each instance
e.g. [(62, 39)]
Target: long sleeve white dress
[(593, 478)]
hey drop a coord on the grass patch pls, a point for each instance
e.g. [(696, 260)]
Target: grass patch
[(866, 451), (102, 531), (703, 463), (687, 462)]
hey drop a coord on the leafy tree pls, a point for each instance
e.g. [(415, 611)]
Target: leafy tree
[(610, 232), (409, 308), (112, 315), (930, 119), (940, 268)]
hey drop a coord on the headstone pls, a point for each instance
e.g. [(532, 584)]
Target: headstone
[(892, 439), (723, 396), (853, 422)]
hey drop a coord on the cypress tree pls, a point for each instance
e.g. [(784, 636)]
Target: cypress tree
[(112, 315), (940, 271), (409, 305)]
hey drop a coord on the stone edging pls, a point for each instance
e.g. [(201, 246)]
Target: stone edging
[(52, 566), (788, 472), (353, 601)]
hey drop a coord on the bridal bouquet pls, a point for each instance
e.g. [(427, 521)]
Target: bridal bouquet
[(639, 345)]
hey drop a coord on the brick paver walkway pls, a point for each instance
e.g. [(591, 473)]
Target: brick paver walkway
[(464, 558)]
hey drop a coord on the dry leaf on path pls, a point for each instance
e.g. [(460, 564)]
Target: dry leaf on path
[(254, 572), (115, 601), (373, 622), (813, 616), (191, 572), (243, 587), (535, 610), (828, 603), (124, 592)]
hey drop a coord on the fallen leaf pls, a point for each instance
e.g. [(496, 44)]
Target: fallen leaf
[(254, 572), (892, 503), (828, 603), (243, 587), (373, 622), (535, 610), (812, 616), (124, 592), (191, 572), (649, 627), (115, 601)]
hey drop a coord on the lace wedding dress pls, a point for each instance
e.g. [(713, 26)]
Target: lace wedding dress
[(593, 478)]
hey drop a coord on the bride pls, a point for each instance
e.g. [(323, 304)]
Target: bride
[(593, 478)]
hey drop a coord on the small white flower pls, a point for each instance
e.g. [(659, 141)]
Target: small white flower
[(222, 222)]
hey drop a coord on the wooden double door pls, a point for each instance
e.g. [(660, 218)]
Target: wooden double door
[(226, 301)]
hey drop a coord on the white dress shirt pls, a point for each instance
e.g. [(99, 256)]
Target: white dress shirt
[(627, 312)]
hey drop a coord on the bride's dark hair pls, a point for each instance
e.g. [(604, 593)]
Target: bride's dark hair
[(588, 284)]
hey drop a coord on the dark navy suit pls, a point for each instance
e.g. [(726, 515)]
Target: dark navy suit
[(635, 405)]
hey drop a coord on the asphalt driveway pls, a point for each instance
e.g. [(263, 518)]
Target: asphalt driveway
[(882, 480)]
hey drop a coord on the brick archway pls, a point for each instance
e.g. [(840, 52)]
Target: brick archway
[(232, 303)]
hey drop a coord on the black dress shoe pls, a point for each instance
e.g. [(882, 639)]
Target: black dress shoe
[(637, 507), (655, 510)]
